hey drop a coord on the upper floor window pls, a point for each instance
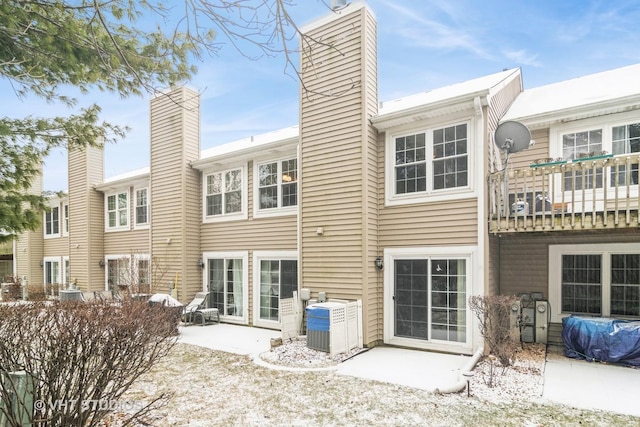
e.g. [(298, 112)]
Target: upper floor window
[(618, 135), (117, 210), (52, 222), (625, 140), (428, 163), (142, 207), (277, 184), (65, 228), (224, 194)]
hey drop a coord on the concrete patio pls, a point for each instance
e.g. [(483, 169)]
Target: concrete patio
[(567, 381)]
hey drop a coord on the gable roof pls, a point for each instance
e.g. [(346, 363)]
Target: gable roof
[(442, 100), (607, 92)]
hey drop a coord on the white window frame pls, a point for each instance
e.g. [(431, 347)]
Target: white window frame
[(279, 210), (141, 225), (606, 124), (430, 195), (244, 256), (49, 214), (136, 268), (118, 226), (112, 257), (274, 256), (66, 276), (474, 286), (555, 272), (59, 277), (243, 214), (65, 219)]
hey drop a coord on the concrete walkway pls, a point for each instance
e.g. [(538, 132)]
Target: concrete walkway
[(567, 381)]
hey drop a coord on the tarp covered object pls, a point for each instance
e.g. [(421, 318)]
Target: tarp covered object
[(602, 340)]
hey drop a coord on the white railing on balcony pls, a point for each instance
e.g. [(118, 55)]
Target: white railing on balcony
[(589, 193)]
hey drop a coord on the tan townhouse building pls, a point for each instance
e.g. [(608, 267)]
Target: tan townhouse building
[(399, 204)]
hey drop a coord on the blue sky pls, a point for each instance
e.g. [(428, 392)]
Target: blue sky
[(423, 45)]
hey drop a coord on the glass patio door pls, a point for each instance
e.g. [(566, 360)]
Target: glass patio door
[(430, 299)]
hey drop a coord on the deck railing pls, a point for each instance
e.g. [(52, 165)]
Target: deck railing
[(589, 193)]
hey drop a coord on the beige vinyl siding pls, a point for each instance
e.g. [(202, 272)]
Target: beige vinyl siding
[(447, 223), (57, 246), (493, 266), (127, 242), (338, 167), (264, 234), (174, 188), (554, 334), (524, 260), (30, 247), (540, 150), (498, 105), (86, 218)]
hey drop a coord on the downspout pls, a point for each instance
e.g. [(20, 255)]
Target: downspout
[(482, 230), (462, 382)]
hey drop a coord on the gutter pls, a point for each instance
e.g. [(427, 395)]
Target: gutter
[(462, 382)]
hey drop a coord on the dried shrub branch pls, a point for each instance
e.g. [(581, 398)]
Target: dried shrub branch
[(493, 313), (79, 352)]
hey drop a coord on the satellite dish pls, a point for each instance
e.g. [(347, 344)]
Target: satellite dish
[(512, 137)]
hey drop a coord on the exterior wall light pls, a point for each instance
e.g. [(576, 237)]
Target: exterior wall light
[(200, 263), (101, 263), (379, 264)]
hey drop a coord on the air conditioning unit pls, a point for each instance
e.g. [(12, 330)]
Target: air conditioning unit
[(334, 327)]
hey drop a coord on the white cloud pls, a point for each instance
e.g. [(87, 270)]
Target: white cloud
[(436, 34), (523, 57)]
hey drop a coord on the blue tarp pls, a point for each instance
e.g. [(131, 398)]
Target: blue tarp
[(603, 340), (317, 319)]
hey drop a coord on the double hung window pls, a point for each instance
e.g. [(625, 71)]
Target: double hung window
[(429, 163), (52, 222), (142, 207), (277, 185), (117, 211), (625, 140), (224, 193)]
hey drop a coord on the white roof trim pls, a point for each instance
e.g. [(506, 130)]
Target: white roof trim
[(607, 92), (282, 140)]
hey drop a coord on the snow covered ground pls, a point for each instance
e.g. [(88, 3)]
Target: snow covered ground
[(207, 387)]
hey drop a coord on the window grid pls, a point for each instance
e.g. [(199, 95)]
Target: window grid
[(448, 300), (52, 221), (450, 168), (625, 284), (224, 193), (410, 164), (430, 305), (277, 184), (66, 219), (625, 140), (118, 210), (582, 284), (142, 207), (575, 145)]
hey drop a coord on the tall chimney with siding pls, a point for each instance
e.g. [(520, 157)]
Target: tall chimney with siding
[(338, 159)]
